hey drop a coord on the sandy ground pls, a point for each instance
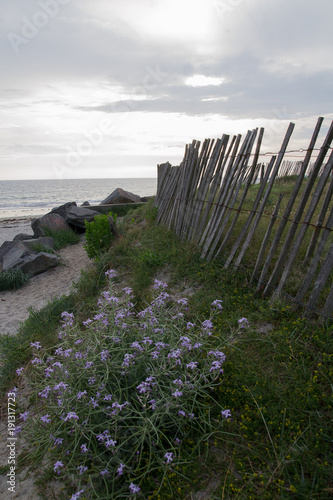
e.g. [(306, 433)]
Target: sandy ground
[(11, 227), (42, 288)]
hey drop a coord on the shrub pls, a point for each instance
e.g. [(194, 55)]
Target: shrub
[(99, 235), (123, 395), (12, 279)]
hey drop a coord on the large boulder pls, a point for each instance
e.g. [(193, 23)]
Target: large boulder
[(51, 221), (39, 263), (119, 195), (63, 209), (15, 256), (76, 216)]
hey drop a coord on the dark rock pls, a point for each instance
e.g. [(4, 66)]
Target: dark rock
[(121, 196), (5, 247), (51, 221), (63, 209), (77, 216), (85, 204), (45, 241), (23, 237), (39, 263), (14, 256)]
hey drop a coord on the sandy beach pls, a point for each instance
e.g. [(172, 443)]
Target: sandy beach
[(41, 288)]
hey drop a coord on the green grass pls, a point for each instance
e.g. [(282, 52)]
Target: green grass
[(12, 279), (63, 238), (277, 375)]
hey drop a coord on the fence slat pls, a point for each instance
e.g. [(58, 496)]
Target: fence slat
[(315, 261), (289, 207), (301, 233), (294, 226)]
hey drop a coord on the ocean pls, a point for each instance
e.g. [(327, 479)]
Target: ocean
[(32, 198)]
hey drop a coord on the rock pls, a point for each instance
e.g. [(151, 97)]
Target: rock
[(14, 256), (51, 221), (85, 204), (5, 247), (77, 216), (39, 263), (45, 241), (22, 236), (121, 196), (63, 209)]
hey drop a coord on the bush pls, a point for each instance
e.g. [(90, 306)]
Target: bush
[(12, 279), (99, 235), (123, 395)]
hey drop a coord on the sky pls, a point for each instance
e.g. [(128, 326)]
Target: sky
[(110, 88)]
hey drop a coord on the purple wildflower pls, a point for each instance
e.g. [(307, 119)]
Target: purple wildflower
[(84, 448), (36, 344), (152, 403), (111, 273), (217, 304), (58, 441), (57, 466), (159, 284), (169, 457), (76, 495), (45, 392), (133, 488), (177, 393), (81, 394), (207, 326), (225, 413), (20, 370), (46, 419), (36, 361), (104, 472), (24, 416), (192, 365), (82, 469), (243, 323), (120, 469), (104, 355), (71, 415)]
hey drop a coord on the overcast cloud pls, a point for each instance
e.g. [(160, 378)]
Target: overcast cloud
[(103, 88)]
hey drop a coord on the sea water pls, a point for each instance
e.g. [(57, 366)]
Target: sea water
[(32, 198)]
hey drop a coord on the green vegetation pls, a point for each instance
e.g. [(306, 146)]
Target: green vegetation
[(12, 279), (62, 238), (277, 380), (99, 235)]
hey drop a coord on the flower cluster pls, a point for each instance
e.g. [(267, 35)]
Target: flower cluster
[(121, 379)]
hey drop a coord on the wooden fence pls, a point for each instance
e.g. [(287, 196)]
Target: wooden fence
[(206, 200)]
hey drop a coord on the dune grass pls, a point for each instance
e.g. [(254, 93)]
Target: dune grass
[(276, 382)]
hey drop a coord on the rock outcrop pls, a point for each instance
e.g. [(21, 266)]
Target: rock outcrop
[(51, 221), (76, 217), (19, 254), (120, 196)]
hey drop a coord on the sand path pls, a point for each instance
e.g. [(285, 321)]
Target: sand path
[(42, 288)]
